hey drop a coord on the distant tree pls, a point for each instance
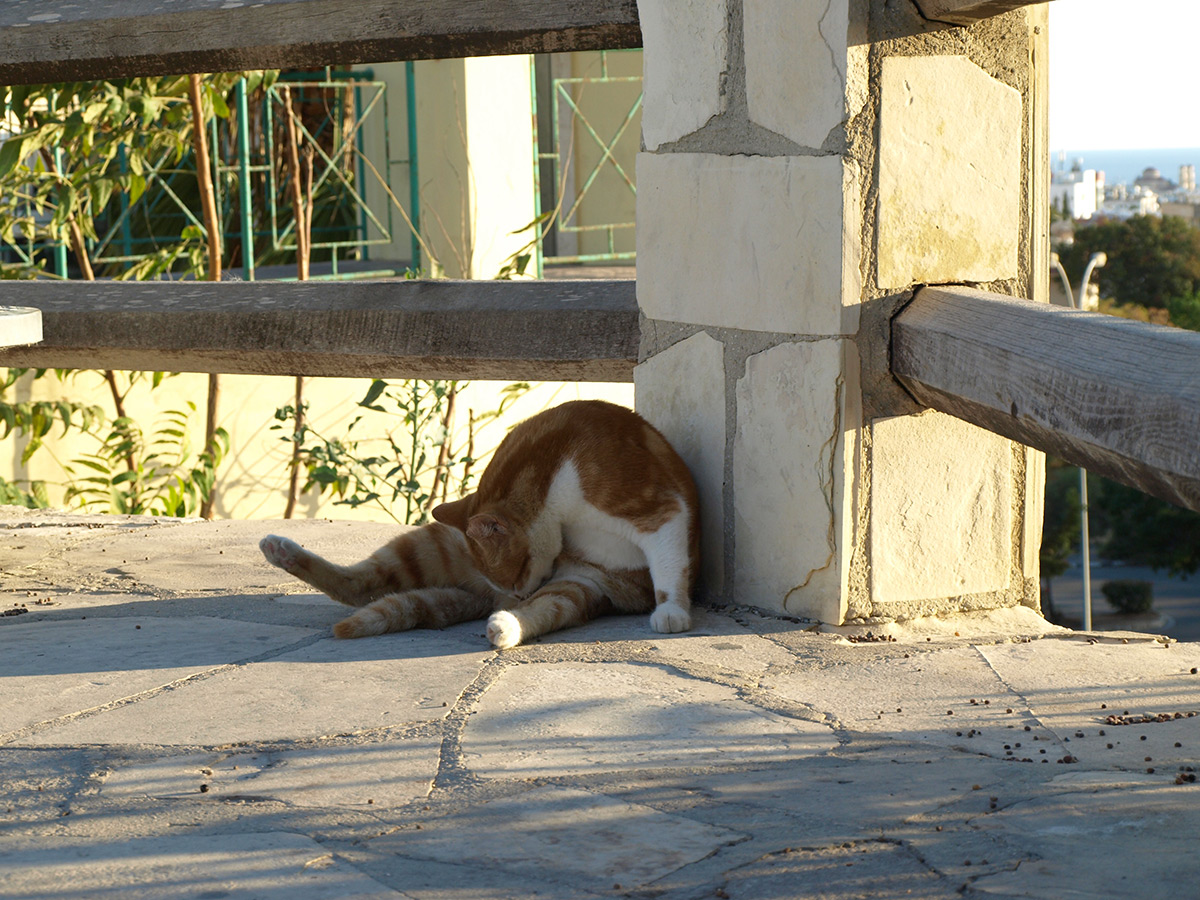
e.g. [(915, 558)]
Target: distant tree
[(1060, 210), (1146, 531), (1060, 526), (1151, 260), (1185, 311)]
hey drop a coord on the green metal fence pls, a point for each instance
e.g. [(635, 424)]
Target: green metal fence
[(252, 185), (578, 158)]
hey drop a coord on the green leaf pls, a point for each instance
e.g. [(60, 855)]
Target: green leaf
[(220, 107), (101, 191), (12, 152), (378, 386)]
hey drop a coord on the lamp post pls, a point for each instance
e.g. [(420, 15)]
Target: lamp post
[(1096, 261)]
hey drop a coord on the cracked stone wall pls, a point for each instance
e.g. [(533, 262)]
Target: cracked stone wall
[(806, 165)]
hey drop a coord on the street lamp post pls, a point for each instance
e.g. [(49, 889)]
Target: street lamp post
[(1096, 261)]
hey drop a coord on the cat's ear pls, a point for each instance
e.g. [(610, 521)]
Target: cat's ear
[(486, 526), (453, 513)]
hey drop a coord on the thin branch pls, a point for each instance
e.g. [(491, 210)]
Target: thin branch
[(208, 203)]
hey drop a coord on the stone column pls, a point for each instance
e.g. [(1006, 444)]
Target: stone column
[(807, 163)]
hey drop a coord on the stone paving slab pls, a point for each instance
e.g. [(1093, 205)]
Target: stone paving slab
[(326, 688), (184, 727), (214, 867), (573, 838), (564, 719)]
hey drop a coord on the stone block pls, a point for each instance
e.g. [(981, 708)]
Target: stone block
[(681, 392), (949, 173), (687, 47), (797, 60), (941, 509), (749, 242), (790, 479)]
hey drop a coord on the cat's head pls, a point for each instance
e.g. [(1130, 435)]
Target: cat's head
[(498, 543)]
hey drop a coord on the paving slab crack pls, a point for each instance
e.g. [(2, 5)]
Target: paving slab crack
[(452, 771), (178, 683)]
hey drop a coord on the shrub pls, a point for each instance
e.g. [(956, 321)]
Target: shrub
[(1129, 597)]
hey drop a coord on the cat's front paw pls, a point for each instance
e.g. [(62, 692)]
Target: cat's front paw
[(670, 618), (504, 630), (281, 552)]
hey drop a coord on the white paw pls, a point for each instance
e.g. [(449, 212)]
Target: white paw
[(670, 618), (504, 630), (281, 552)]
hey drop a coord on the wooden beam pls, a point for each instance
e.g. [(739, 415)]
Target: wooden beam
[(1118, 397), (968, 12), (69, 40), (504, 330)]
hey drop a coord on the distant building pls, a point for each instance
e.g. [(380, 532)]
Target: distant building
[(1124, 204), (1152, 180), (1185, 209), (1076, 192), (1187, 178)]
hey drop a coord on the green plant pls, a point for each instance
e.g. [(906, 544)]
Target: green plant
[(82, 151), (1185, 311), (1129, 597), (399, 450), (164, 480), (34, 420), (130, 470)]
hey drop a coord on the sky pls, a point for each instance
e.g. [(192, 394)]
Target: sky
[(1123, 74)]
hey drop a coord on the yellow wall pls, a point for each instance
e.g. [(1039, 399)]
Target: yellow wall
[(252, 481)]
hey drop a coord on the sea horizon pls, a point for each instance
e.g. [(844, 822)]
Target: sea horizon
[(1123, 166)]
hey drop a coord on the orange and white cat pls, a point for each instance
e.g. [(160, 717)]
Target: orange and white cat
[(584, 510)]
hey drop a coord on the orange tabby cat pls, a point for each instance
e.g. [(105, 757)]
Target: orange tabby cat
[(584, 510)]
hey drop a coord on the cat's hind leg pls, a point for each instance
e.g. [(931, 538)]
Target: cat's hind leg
[(431, 556), (560, 603), (345, 584), (670, 558), (425, 608)]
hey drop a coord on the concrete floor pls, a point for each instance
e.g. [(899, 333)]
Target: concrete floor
[(176, 721)]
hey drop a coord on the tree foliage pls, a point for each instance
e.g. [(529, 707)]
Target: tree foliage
[(1146, 531), (1061, 525), (1151, 260)]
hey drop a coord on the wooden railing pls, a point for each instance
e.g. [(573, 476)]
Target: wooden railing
[(1118, 397), (57, 40), (966, 12), (518, 330)]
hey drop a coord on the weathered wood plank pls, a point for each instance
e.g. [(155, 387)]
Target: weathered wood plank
[(561, 330), (1118, 397), (68, 40), (967, 12)]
